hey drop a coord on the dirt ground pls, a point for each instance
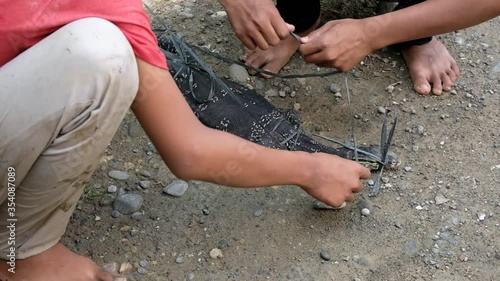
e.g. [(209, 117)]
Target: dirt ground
[(436, 218)]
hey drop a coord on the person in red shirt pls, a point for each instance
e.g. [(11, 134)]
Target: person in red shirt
[(342, 44), (69, 72)]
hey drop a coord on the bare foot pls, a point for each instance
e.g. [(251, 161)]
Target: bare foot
[(276, 57), (56, 264), (431, 63)]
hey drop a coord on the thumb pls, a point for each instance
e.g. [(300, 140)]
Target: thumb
[(290, 27), (319, 32)]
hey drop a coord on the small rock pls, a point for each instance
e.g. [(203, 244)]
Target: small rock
[(440, 199), (259, 84), (271, 93), (357, 74), (365, 212), (115, 214), (496, 69), (371, 183), (145, 173), (128, 203), (176, 188), (145, 184), (185, 15), (112, 189), (144, 263), (459, 41), (325, 255), (381, 110), (337, 95), (420, 130), (106, 201), (190, 276), (118, 175), (282, 93), (111, 268), (216, 253), (296, 106), (356, 279), (219, 14), (411, 247), (134, 130), (407, 168), (454, 92), (125, 267), (463, 257), (318, 205), (180, 259), (206, 212), (238, 73), (258, 213), (224, 244), (142, 271), (481, 216), (136, 216), (334, 88)]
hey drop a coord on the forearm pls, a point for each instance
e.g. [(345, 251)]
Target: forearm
[(429, 18), (193, 151)]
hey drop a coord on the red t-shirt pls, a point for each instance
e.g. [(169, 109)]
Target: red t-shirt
[(24, 23)]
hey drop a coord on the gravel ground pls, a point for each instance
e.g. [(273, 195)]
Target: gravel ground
[(437, 216)]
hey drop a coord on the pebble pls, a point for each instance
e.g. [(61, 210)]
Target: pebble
[(206, 212), (219, 14), (224, 244), (481, 216), (136, 216), (496, 69), (271, 93), (128, 203), (186, 15), (325, 255), (258, 213), (356, 279), (145, 173), (124, 267), (334, 88), (115, 214), (259, 84), (144, 263), (180, 259), (238, 73), (296, 106), (371, 182), (440, 199), (365, 212), (112, 189), (145, 184), (190, 276), (407, 168), (357, 74), (216, 253), (411, 247), (110, 267), (142, 271), (381, 110), (176, 188), (118, 175), (337, 95), (282, 93), (134, 130), (420, 130), (106, 201)]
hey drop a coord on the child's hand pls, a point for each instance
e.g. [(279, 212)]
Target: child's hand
[(334, 180)]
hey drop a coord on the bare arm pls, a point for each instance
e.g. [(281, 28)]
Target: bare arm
[(193, 151), (344, 43), (430, 18)]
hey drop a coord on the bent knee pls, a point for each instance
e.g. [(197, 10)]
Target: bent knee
[(99, 47)]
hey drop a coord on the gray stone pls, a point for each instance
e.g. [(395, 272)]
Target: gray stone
[(180, 260), (411, 247), (185, 15), (145, 173), (271, 93), (115, 214), (128, 203), (381, 110), (258, 213), (142, 271), (112, 189), (136, 216), (238, 73), (118, 175), (420, 130), (145, 184), (325, 255), (134, 130), (334, 88), (496, 69), (176, 188), (144, 263), (190, 276)]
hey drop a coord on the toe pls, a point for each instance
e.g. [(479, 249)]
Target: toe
[(437, 86), (455, 69), (447, 84), (421, 84), (451, 74)]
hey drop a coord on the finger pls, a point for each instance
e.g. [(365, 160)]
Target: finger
[(364, 172), (248, 42), (259, 40), (349, 197), (281, 28), (270, 35)]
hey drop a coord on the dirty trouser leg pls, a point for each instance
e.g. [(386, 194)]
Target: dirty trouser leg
[(61, 102)]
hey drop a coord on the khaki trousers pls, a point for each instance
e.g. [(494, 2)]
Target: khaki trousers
[(61, 102)]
